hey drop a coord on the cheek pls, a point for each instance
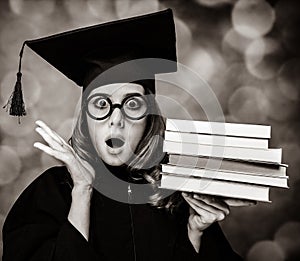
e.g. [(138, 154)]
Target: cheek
[(96, 131), (135, 133)]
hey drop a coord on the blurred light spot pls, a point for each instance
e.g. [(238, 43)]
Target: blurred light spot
[(249, 105), (265, 251), (30, 85), (13, 34), (103, 10), (10, 165), (9, 124), (127, 8), (80, 12), (23, 146), (263, 58), (235, 40), (32, 9), (281, 108), (213, 3), (59, 21), (184, 37), (289, 79), (287, 236), (227, 81), (201, 61), (253, 18), (237, 75)]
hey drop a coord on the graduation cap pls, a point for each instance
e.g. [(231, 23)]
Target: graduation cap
[(85, 53)]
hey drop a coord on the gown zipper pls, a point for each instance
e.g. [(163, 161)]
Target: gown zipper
[(131, 219)]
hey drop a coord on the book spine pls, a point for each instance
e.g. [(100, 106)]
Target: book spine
[(216, 140), (217, 188), (228, 176), (218, 128), (228, 165), (270, 155)]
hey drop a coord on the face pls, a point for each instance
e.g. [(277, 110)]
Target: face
[(116, 137)]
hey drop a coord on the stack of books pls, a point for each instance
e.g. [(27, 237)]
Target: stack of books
[(222, 159)]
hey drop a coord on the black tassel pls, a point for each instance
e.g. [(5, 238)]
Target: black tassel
[(15, 101)]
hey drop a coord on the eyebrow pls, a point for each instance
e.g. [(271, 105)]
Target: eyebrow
[(132, 94), (125, 96)]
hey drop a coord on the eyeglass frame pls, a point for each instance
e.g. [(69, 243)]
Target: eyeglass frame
[(116, 105)]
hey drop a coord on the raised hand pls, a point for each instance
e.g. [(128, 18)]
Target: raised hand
[(81, 171)]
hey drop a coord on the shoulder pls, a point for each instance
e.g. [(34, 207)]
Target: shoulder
[(48, 184), (49, 194)]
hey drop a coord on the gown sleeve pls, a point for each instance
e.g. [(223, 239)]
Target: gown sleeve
[(37, 227)]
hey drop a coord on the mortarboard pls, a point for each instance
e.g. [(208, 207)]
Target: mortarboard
[(84, 53)]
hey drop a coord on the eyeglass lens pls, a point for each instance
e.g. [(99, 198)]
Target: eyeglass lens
[(101, 107)]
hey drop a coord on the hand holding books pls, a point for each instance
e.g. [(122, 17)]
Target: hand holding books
[(205, 210)]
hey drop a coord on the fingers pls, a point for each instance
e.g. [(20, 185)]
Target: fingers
[(52, 142), (239, 202), (208, 215), (213, 201), (210, 203), (52, 138), (52, 133), (48, 150), (49, 132)]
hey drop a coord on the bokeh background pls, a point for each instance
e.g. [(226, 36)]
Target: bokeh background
[(247, 50)]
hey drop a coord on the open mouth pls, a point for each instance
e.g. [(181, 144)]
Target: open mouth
[(114, 142)]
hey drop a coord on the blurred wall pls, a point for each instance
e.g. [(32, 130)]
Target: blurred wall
[(247, 50)]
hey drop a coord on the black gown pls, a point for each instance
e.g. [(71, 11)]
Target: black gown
[(37, 228)]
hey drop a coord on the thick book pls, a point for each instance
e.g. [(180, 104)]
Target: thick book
[(216, 140), (219, 128), (252, 168), (216, 187), (228, 176), (260, 155)]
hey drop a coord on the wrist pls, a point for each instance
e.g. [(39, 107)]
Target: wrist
[(195, 237), (82, 190)]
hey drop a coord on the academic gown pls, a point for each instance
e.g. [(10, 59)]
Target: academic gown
[(37, 228)]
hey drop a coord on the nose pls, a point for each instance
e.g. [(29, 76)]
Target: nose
[(116, 118)]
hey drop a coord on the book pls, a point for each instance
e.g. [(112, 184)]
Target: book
[(252, 168), (216, 140), (219, 128), (246, 154), (216, 187), (223, 175)]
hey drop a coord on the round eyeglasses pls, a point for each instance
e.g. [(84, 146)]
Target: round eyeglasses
[(100, 107)]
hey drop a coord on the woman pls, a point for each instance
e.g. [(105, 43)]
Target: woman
[(78, 212)]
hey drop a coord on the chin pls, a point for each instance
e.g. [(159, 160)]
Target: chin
[(113, 161)]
